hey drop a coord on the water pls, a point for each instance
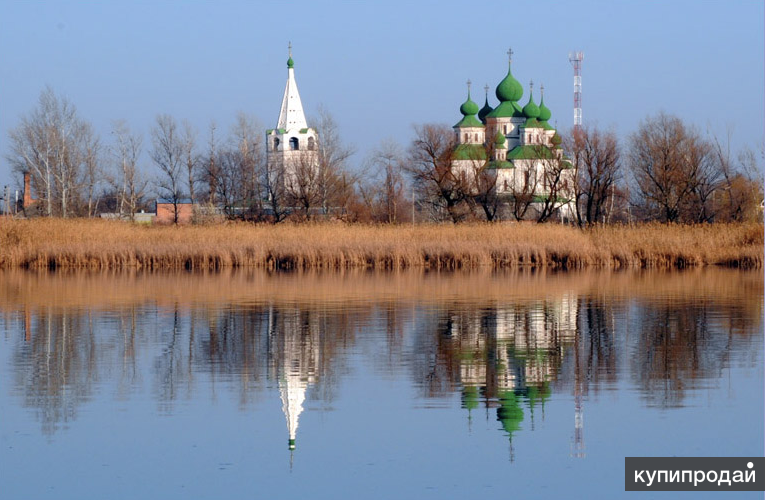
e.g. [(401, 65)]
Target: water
[(405, 385)]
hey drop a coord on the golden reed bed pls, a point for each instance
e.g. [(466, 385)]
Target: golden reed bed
[(97, 244)]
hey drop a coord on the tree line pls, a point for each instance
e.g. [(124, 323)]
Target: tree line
[(666, 170)]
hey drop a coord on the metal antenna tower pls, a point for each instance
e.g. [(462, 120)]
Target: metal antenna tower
[(575, 58)]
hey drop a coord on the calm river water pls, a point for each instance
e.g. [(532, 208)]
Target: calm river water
[(361, 385)]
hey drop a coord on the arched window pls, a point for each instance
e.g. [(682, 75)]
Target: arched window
[(276, 144), (476, 137), (294, 143), (466, 138), (507, 187), (505, 129), (310, 144)]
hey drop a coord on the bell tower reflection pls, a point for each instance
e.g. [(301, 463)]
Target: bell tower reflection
[(296, 356)]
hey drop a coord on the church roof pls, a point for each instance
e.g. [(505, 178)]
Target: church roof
[(529, 152), (506, 109), (468, 121), (470, 152)]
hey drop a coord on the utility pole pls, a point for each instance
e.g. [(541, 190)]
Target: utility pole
[(575, 58)]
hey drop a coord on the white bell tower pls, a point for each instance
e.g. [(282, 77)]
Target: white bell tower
[(292, 144)]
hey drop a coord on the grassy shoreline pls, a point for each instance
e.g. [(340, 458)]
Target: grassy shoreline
[(99, 244)]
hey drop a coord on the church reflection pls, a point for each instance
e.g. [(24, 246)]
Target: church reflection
[(507, 358)]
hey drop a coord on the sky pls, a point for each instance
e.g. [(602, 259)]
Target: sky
[(381, 67)]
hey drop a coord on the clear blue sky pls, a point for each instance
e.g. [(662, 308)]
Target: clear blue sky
[(382, 67)]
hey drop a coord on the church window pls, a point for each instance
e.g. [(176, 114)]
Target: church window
[(311, 144), (276, 144), (294, 143), (476, 137), (505, 129)]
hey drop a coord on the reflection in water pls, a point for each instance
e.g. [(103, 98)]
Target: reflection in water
[(508, 350)]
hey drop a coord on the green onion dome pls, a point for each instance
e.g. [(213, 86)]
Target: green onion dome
[(531, 110), (509, 413), (544, 112), (485, 110), (469, 107), (468, 110), (509, 89), (500, 139), (290, 62)]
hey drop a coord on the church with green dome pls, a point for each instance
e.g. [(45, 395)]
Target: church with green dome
[(515, 143)]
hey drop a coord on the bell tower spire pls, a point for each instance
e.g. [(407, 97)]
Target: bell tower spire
[(291, 115)]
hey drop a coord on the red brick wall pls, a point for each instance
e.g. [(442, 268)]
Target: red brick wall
[(165, 213)]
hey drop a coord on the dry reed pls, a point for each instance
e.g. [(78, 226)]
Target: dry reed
[(97, 244)]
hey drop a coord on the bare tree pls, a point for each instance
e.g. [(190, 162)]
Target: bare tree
[(93, 173), (742, 190), (482, 181), (332, 178), (228, 187), (705, 179), (383, 190), (246, 139), (167, 153), (302, 182), (522, 191), (272, 183), (70, 134), (596, 161), (430, 162), (210, 167), (32, 146), (671, 169), (53, 144), (128, 182), (557, 181), (190, 158)]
